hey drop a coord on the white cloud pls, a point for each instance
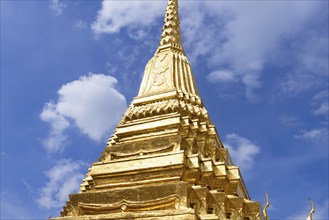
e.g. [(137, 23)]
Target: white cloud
[(242, 150), (295, 82), (137, 34), (249, 35), (246, 36), (64, 178), (115, 15), (56, 140), (80, 24), (57, 6), (322, 110), (221, 76), (28, 187), (310, 63), (321, 95), (321, 100), (290, 120), (319, 135), (91, 103)]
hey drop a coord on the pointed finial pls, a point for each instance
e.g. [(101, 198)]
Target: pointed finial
[(171, 27), (266, 206), (312, 210)]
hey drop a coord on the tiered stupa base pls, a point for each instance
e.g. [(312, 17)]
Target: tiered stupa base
[(166, 167)]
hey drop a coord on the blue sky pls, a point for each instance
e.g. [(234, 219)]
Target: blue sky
[(69, 69)]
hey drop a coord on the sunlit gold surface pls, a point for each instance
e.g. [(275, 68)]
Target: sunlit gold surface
[(165, 159)]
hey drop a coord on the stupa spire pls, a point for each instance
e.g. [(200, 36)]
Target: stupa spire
[(168, 74), (171, 27)]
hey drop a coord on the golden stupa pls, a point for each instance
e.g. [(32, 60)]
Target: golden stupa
[(165, 159)]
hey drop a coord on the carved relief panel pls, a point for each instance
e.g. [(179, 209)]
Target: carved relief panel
[(157, 75)]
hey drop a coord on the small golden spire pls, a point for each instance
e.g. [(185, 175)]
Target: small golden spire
[(265, 207), (312, 210), (171, 27)]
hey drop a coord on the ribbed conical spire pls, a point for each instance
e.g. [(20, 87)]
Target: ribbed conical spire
[(168, 74), (171, 27)]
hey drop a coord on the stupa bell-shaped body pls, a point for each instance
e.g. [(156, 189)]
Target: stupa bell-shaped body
[(168, 73), (165, 159)]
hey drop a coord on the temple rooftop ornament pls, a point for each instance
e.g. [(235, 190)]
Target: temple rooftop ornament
[(265, 208), (165, 159), (171, 28), (310, 216)]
